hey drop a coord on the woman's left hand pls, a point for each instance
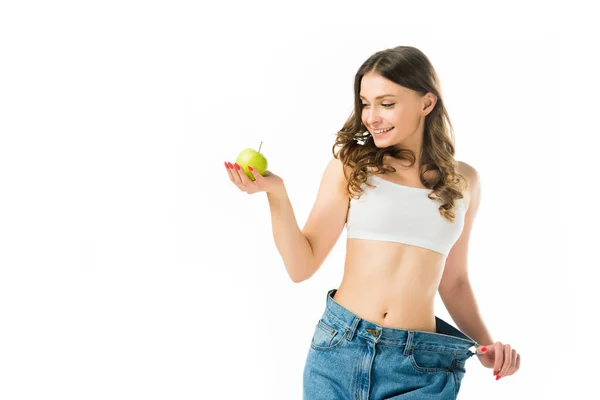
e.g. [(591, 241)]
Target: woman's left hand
[(504, 359)]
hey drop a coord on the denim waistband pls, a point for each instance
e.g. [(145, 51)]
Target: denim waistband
[(446, 335)]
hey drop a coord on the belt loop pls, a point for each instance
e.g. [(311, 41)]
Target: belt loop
[(330, 293), (474, 352), (409, 340), (350, 332)]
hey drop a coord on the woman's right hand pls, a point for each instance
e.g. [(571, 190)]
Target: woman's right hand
[(268, 182)]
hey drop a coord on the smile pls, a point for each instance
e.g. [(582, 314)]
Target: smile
[(380, 131)]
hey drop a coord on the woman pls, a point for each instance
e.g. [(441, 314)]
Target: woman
[(408, 227)]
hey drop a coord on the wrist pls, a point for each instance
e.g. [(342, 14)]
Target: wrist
[(279, 192)]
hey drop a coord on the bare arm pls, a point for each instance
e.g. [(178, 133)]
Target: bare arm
[(303, 251), (294, 248)]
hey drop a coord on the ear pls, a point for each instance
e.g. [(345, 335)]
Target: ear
[(429, 101)]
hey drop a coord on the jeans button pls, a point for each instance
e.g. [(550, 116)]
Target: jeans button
[(373, 332)]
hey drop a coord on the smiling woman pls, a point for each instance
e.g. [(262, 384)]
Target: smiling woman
[(408, 206)]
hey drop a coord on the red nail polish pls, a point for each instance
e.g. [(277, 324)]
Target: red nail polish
[(250, 168), (498, 377), (483, 348), (237, 166), (496, 372)]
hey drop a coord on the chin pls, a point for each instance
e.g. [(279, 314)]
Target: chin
[(383, 142)]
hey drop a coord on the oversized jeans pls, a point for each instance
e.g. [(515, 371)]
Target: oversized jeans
[(354, 359)]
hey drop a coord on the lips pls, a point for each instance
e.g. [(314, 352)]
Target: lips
[(384, 132)]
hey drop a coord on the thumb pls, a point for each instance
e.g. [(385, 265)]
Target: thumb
[(257, 176), (482, 349)]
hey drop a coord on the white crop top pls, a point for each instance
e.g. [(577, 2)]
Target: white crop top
[(397, 213)]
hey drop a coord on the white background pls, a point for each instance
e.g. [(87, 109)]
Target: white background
[(132, 268)]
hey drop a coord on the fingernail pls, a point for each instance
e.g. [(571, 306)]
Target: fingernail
[(498, 377), (237, 166), (226, 165), (484, 349), (496, 372), (250, 168)]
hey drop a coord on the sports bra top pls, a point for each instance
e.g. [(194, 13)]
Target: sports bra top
[(397, 213)]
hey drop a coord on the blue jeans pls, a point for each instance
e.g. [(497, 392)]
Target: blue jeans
[(355, 359)]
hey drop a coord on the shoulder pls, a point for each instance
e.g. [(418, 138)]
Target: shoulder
[(468, 171), (337, 173), (342, 170), (472, 176)]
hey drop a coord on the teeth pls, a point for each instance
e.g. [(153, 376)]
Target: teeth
[(382, 130)]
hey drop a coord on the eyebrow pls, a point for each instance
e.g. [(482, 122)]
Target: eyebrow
[(380, 97)]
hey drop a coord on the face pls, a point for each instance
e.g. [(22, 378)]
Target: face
[(403, 110)]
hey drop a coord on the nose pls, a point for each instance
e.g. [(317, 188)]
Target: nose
[(372, 116)]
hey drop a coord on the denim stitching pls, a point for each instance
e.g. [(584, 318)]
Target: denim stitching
[(324, 348), (336, 319), (326, 326), (424, 369)]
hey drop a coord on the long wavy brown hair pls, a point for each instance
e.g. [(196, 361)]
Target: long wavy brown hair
[(409, 67)]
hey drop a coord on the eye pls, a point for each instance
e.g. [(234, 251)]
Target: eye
[(385, 105)]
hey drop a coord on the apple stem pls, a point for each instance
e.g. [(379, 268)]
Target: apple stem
[(260, 146)]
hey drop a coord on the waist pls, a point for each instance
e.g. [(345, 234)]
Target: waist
[(443, 334), (391, 310), (392, 284)]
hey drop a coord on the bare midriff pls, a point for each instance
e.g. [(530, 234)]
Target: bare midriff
[(391, 284)]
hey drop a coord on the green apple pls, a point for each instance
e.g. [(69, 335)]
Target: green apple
[(255, 159)]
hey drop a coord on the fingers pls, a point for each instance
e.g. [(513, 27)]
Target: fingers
[(506, 362), (233, 175), (513, 364), (228, 167), (499, 356), (515, 360), (259, 179), (239, 177), (257, 176), (244, 178)]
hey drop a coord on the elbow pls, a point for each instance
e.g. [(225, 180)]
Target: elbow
[(298, 279), (450, 290), (304, 271)]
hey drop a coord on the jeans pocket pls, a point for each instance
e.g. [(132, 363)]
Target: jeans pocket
[(326, 336), (431, 360), (459, 367)]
